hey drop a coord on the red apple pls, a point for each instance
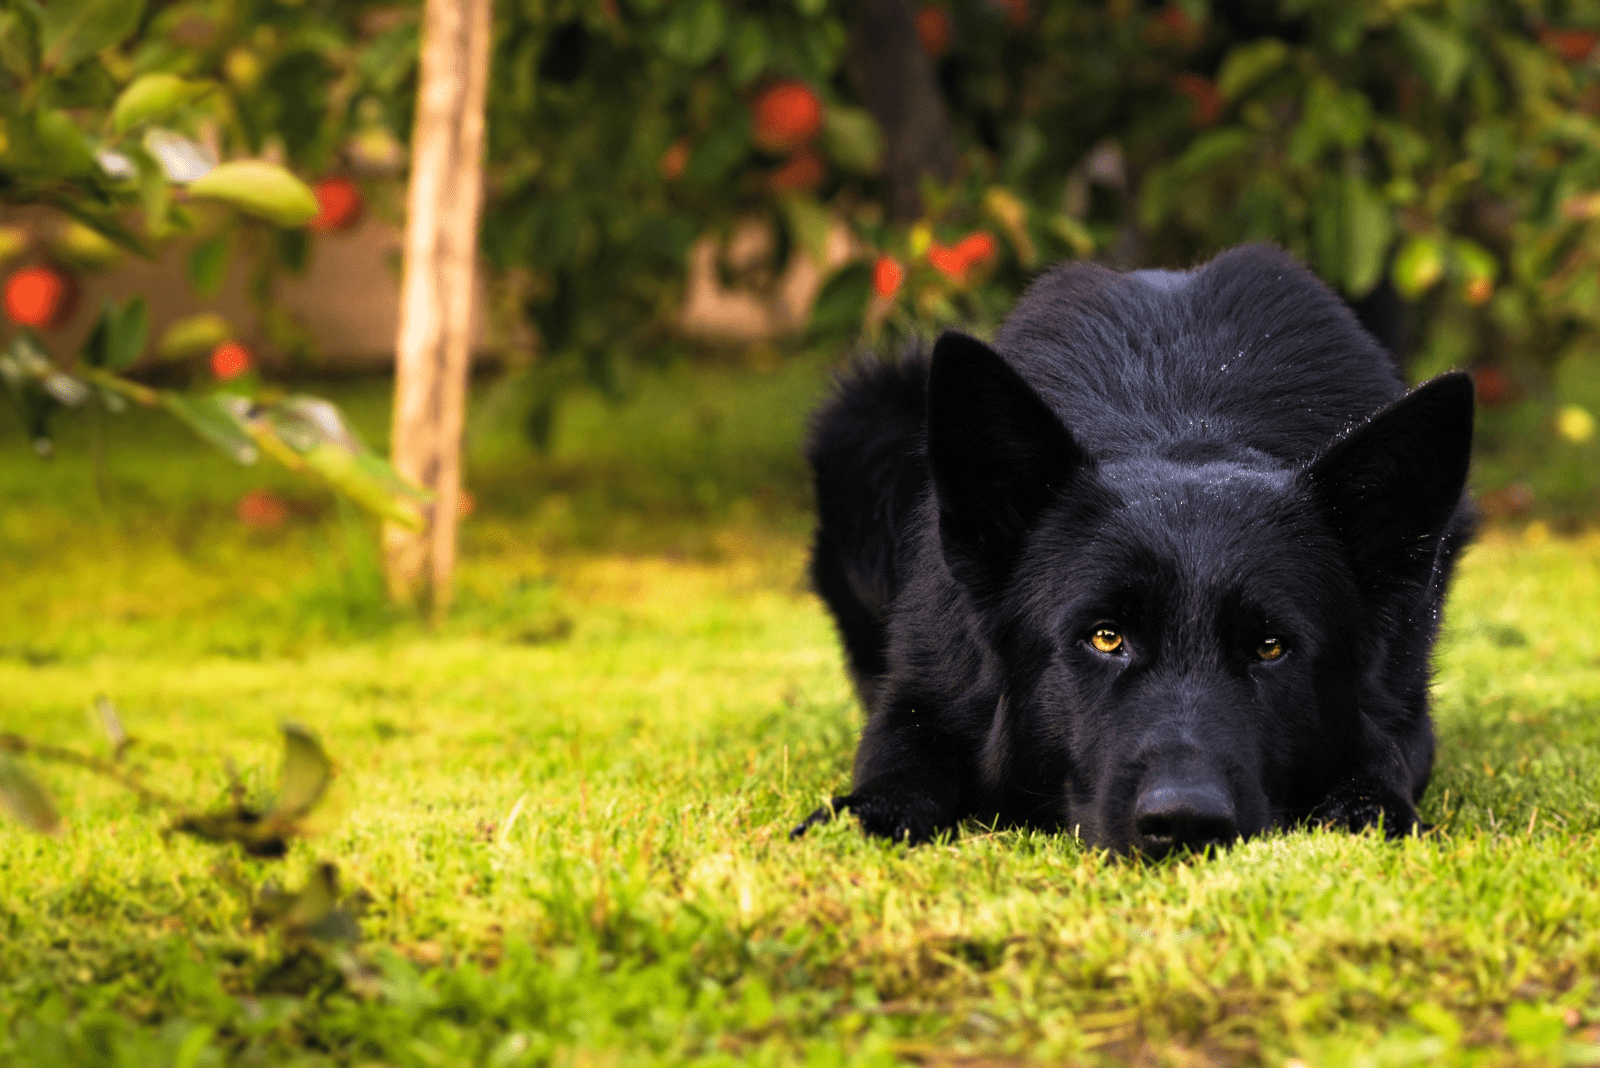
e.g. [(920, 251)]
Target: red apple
[(40, 297), (338, 204), (787, 115)]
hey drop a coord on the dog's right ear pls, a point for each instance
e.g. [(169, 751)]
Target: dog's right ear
[(997, 453), (1393, 485)]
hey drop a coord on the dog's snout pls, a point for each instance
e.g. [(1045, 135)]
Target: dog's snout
[(1173, 814)]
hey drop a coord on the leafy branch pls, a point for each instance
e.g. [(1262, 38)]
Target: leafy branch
[(316, 923), (304, 433)]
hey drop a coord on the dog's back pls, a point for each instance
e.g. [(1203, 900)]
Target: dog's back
[(867, 459)]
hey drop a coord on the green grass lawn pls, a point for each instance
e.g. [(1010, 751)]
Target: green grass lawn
[(568, 804)]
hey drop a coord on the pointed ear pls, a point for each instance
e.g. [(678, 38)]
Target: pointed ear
[(1392, 485), (997, 453)]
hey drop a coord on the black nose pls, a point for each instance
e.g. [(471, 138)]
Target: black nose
[(1175, 814)]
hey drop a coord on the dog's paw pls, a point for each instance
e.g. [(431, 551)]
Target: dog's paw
[(1357, 805), (824, 814), (898, 817), (908, 818)]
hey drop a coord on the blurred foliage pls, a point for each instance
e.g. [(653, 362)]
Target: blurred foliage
[(316, 925), (617, 136), (1442, 157), (117, 115), (1437, 159)]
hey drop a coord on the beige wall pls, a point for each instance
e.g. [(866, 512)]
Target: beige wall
[(348, 297)]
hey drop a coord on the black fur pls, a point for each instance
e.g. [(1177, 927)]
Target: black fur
[(1193, 463)]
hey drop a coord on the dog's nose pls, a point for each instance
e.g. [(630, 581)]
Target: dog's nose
[(1173, 815)]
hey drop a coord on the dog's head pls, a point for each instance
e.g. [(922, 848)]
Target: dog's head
[(1190, 638)]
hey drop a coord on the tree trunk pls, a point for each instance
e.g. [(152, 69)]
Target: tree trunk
[(895, 76), (433, 348)]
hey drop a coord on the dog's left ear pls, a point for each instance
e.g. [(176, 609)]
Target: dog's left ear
[(997, 453), (1391, 485)]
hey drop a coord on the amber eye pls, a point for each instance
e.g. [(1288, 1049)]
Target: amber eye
[(1106, 637), (1269, 649)]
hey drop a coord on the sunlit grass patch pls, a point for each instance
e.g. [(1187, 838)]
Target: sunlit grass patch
[(570, 803)]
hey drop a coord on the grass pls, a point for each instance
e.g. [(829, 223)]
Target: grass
[(569, 804)]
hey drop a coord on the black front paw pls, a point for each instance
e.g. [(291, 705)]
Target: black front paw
[(899, 817), (824, 814), (1357, 805)]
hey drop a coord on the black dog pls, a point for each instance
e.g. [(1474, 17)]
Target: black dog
[(1164, 567)]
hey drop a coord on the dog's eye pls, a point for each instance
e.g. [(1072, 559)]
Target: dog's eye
[(1269, 649), (1106, 638)]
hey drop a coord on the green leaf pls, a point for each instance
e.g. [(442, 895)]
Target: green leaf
[(1344, 25), (69, 30), (307, 771), (118, 335), (1440, 55), (312, 434), (809, 225), (1368, 229), (294, 249), (193, 335), (103, 223), (1437, 1019), (23, 797), (1351, 118), (259, 188), (94, 346), (1197, 10), (841, 305), (1475, 260), (58, 146), (130, 331), (694, 31), (85, 247), (19, 42), (217, 418), (238, 824), (313, 913), (1073, 232), (369, 482), (1212, 148), (14, 240), (1247, 64), (152, 96), (208, 265), (1027, 148), (1534, 1028), (1011, 213), (316, 900), (851, 139), (390, 57), (87, 86), (723, 149), (1418, 267), (750, 53)]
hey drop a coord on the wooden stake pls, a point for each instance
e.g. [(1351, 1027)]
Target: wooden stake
[(433, 349)]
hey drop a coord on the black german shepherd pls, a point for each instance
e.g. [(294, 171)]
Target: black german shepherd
[(1163, 567)]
